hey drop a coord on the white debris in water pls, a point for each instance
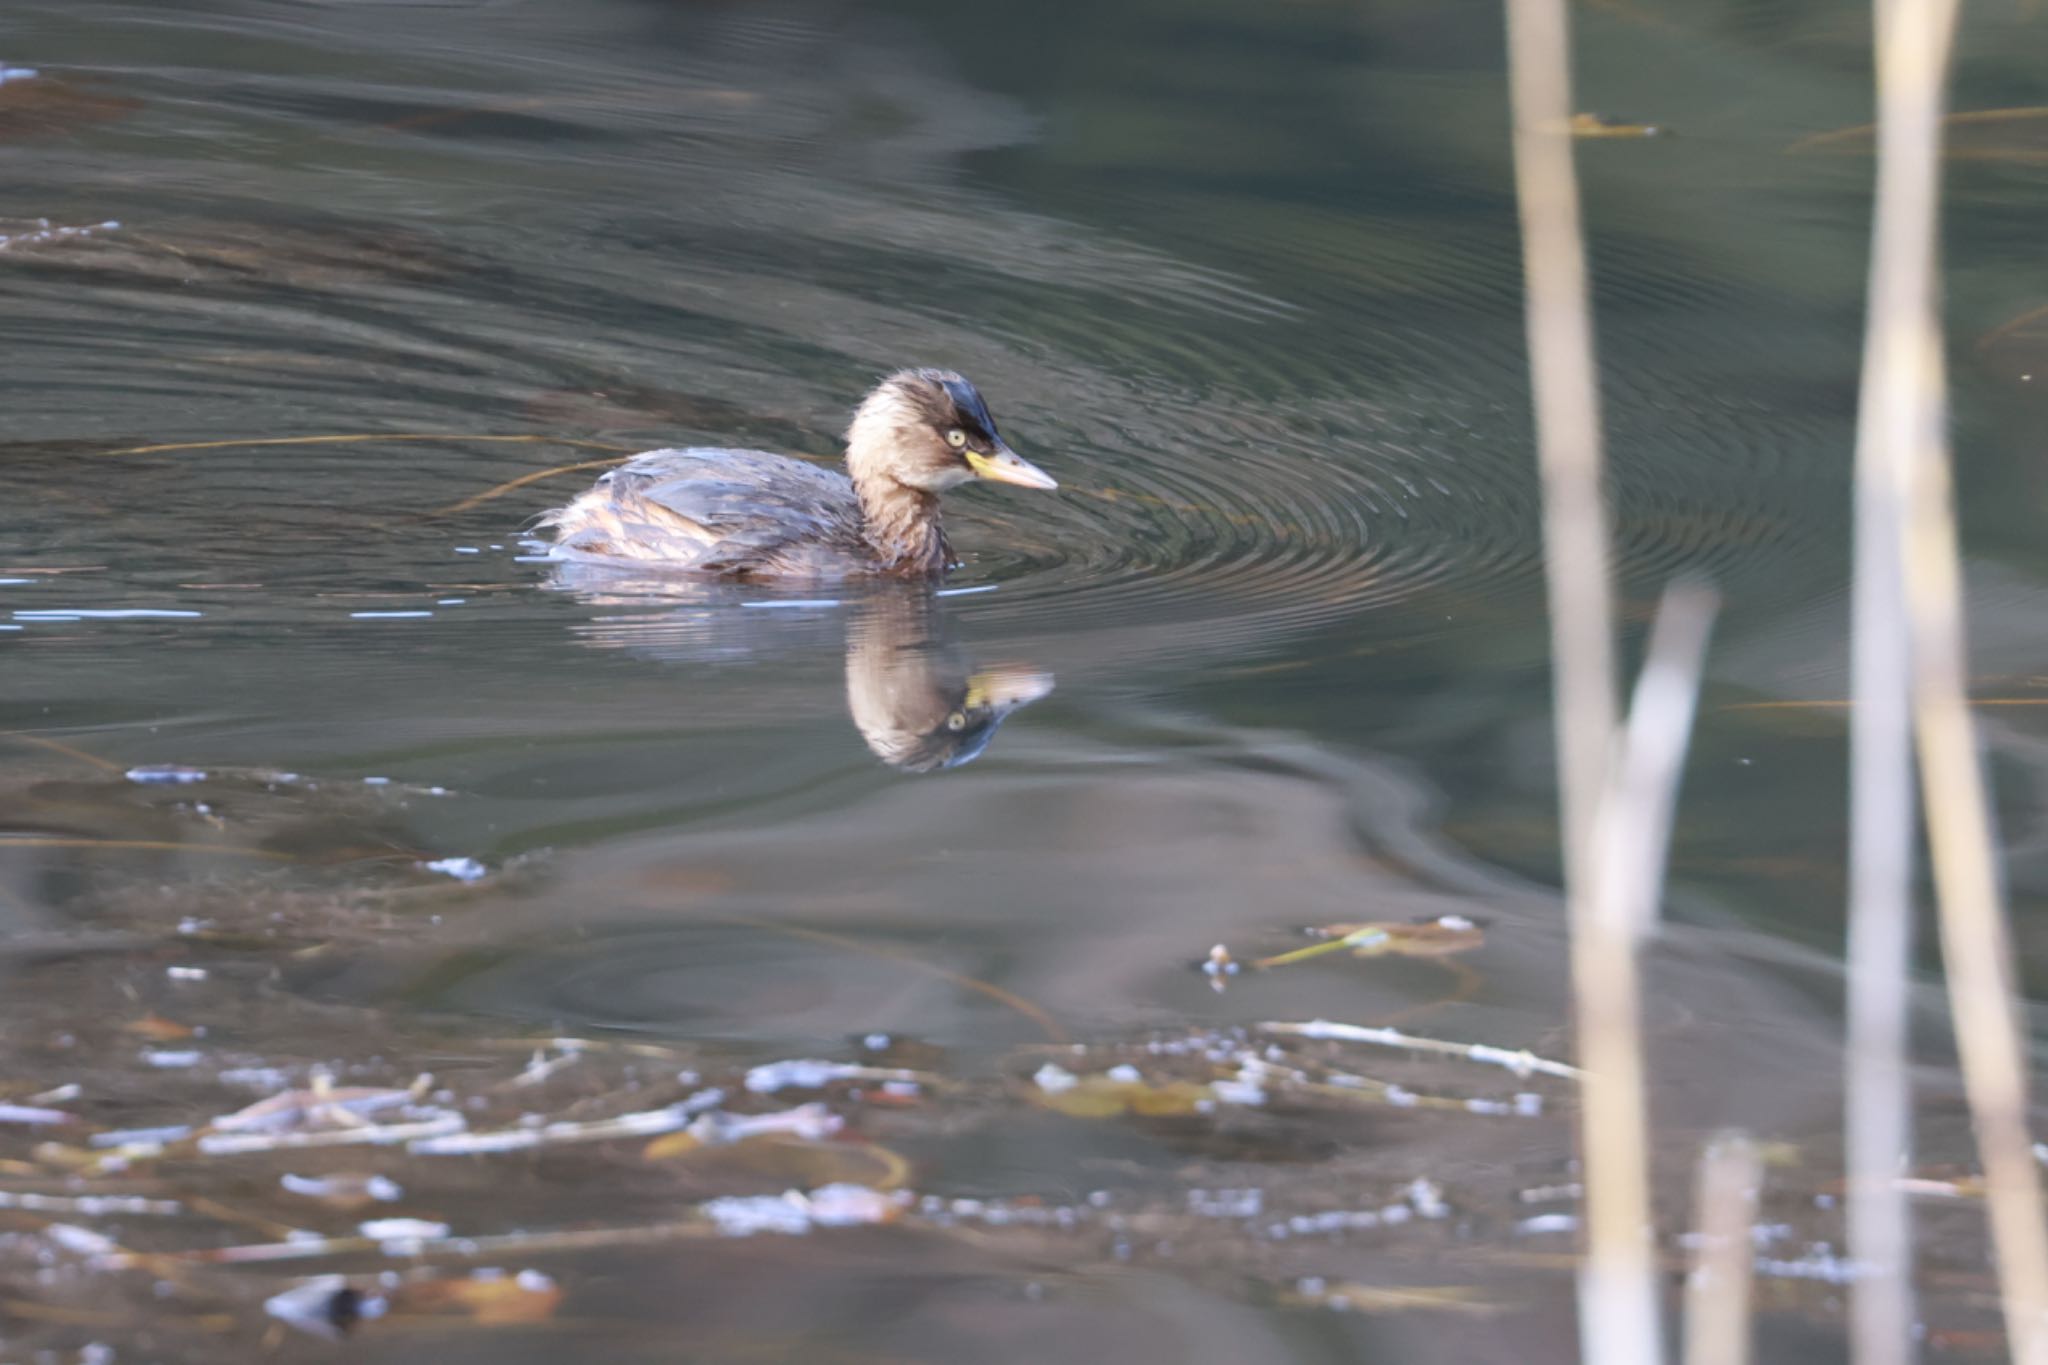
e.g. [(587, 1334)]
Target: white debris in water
[(1819, 1263), (32, 1114), (18, 73), (1543, 1194), (172, 1061), (747, 1215), (1125, 1074), (1055, 1079), (186, 973), (809, 1073), (794, 1213), (165, 775), (1549, 1222), (799, 1074), (644, 1123), (90, 1205), (1239, 1091), (105, 613), (1426, 1199), (376, 782), (140, 1137), (45, 231), (462, 869), (381, 1188), (389, 615), (809, 1122), (80, 1241), (390, 1230), (1245, 1203), (268, 1079), (467, 550)]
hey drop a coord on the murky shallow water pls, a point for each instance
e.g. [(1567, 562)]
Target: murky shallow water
[(1245, 282)]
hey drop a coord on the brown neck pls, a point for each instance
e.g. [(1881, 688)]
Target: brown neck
[(902, 525)]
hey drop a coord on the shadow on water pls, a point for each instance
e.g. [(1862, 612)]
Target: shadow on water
[(312, 787)]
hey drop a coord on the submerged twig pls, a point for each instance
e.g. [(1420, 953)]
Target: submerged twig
[(497, 491), (1047, 1025), (344, 438), (58, 746), (1521, 1063), (2020, 114)]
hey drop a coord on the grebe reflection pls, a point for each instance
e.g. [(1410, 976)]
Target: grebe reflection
[(914, 692)]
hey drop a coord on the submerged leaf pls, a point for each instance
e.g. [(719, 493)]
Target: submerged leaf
[(32, 104), (1397, 1298), (1118, 1091), (487, 1298), (789, 1161)]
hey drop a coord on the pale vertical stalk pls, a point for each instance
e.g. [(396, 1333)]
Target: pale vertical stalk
[(1617, 1285), (1915, 37), (1877, 1110), (1619, 1321), (1565, 383), (1717, 1328)]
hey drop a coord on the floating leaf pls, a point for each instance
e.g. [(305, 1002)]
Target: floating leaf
[(1435, 936), (1599, 125)]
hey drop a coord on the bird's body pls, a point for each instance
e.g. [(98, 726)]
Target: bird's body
[(754, 515), (731, 513)]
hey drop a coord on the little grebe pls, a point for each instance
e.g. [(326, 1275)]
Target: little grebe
[(750, 514)]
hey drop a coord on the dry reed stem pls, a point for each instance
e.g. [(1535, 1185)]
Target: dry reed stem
[(1914, 41), (1564, 381), (1617, 1279), (1618, 1300), (1717, 1291), (1877, 1113)]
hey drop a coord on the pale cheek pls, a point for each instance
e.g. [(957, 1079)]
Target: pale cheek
[(937, 478)]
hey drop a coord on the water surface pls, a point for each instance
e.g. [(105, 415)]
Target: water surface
[(1245, 280)]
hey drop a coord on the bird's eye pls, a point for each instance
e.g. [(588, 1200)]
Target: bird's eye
[(957, 721), (956, 438)]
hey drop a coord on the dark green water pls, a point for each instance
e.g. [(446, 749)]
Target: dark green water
[(1244, 278)]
